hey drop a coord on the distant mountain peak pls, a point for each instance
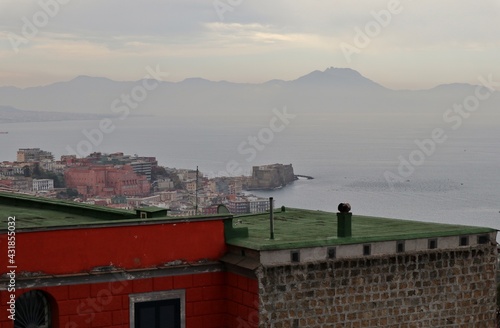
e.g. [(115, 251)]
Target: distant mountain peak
[(337, 76), (196, 80), (8, 109), (342, 71), (454, 86), (84, 78)]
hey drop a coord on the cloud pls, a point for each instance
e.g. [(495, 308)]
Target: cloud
[(258, 35)]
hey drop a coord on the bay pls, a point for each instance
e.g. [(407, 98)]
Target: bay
[(348, 155)]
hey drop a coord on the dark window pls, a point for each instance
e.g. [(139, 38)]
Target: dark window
[(367, 249), (332, 253), (483, 239), (433, 243), (464, 240), (295, 256), (400, 246), (32, 310), (158, 314)]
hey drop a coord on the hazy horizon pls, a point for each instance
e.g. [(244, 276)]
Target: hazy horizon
[(320, 69), (399, 44)]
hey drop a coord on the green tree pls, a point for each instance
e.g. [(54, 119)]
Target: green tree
[(158, 172), (37, 171)]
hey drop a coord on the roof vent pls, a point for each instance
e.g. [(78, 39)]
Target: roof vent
[(344, 207), (344, 221)]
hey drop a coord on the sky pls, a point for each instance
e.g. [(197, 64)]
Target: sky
[(399, 44)]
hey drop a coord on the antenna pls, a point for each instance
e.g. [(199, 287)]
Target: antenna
[(271, 217), (196, 193)]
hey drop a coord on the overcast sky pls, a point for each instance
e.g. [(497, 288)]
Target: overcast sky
[(414, 44)]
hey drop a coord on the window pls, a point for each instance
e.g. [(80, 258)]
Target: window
[(433, 243), (464, 241), (400, 246), (158, 310), (332, 253), (295, 256), (367, 250), (32, 310), (483, 239)]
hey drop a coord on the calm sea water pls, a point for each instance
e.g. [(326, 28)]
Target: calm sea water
[(459, 182)]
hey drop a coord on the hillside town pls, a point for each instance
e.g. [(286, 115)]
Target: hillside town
[(127, 182)]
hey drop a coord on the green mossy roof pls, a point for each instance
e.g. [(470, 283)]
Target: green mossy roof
[(34, 213), (297, 228)]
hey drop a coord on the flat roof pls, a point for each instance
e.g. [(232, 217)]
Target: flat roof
[(297, 228), (35, 213)]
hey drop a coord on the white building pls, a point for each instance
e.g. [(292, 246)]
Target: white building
[(43, 184), (258, 205)]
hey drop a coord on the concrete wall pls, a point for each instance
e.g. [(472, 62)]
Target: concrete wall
[(432, 288), (381, 248)]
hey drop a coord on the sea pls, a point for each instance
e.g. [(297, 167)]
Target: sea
[(410, 167)]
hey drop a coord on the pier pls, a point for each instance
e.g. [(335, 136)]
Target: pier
[(308, 177)]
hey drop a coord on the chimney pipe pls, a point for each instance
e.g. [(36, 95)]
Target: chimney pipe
[(271, 217), (344, 221)]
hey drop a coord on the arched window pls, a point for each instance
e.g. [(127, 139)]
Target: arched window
[(32, 310)]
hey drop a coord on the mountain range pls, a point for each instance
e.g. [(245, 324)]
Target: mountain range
[(334, 90)]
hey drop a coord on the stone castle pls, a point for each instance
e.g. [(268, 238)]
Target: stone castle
[(271, 176)]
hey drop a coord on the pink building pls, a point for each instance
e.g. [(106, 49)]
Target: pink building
[(106, 180)]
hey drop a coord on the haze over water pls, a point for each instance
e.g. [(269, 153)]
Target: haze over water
[(347, 156)]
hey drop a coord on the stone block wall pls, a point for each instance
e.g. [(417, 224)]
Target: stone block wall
[(435, 288), (271, 176)]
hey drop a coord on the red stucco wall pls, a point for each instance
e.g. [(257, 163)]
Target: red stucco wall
[(216, 299), (136, 246), (242, 295)]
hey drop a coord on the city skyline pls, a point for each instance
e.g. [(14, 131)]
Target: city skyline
[(400, 44)]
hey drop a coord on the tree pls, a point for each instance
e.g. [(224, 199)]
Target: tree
[(157, 172), (37, 171)]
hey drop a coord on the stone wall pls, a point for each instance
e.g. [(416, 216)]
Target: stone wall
[(445, 288)]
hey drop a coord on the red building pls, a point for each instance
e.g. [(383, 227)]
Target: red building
[(6, 183), (69, 265), (106, 180), (82, 266)]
